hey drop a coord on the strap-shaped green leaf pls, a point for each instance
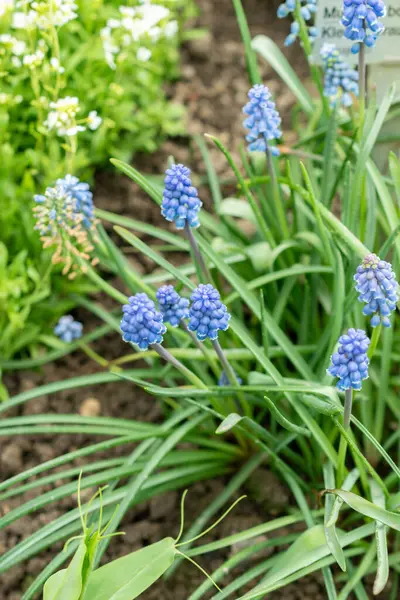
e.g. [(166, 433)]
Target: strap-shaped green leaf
[(369, 509), (330, 530), (272, 54)]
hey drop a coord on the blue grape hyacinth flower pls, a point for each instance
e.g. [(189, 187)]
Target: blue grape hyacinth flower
[(378, 289), (307, 10), (341, 81), (141, 323), (67, 329), (181, 202), (224, 381), (207, 313), (350, 362), (65, 219), (174, 308), (83, 197), (361, 21), (263, 121)]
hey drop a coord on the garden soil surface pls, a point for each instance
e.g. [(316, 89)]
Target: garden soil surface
[(213, 88)]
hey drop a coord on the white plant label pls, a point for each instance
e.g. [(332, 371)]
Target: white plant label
[(328, 22)]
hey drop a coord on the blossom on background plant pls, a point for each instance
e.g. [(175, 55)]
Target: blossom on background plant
[(308, 9), (62, 117), (341, 81), (82, 196), (378, 288), (181, 202), (144, 23), (350, 362), (141, 323), (361, 21), (208, 314), (67, 329), (263, 121), (94, 120), (174, 308), (44, 14), (65, 219), (5, 5), (12, 44)]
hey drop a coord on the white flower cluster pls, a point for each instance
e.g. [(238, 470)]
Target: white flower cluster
[(62, 118), (147, 22), (35, 60), (5, 5), (44, 14), (10, 45)]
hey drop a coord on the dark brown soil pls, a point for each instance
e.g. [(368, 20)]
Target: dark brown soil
[(213, 88)]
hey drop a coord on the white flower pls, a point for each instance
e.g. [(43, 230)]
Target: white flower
[(55, 64), (143, 54), (6, 5), (46, 13), (137, 23), (33, 60), (62, 117), (93, 120), (171, 29), (17, 47), (22, 20)]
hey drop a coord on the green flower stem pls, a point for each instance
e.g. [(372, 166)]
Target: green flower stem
[(374, 341), (231, 375), (197, 254), (201, 347), (167, 356), (362, 73), (279, 208), (305, 40), (341, 464), (93, 355)]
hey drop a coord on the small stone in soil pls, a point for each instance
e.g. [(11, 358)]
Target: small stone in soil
[(90, 407)]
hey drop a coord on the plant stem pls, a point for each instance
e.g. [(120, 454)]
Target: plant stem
[(374, 341), (341, 465), (348, 403), (201, 347), (362, 71), (231, 375), (279, 209), (167, 356), (229, 372), (93, 355), (197, 254)]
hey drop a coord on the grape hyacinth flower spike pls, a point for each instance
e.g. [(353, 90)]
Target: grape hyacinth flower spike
[(307, 10), (350, 365), (143, 326), (141, 323), (181, 202), (173, 307), (361, 21), (68, 330), (65, 219), (378, 289), (350, 362), (340, 80), (207, 313), (263, 120)]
